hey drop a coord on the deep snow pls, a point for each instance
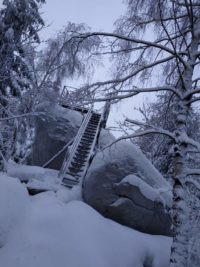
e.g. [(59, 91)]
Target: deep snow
[(52, 230)]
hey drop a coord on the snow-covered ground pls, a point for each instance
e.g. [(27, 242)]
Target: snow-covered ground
[(54, 230)]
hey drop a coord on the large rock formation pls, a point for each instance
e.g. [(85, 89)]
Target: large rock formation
[(55, 126), (123, 185), (120, 183)]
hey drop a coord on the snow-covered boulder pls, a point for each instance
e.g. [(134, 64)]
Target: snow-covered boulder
[(55, 126), (123, 185)]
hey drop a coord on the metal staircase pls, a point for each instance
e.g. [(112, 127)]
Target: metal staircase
[(78, 155)]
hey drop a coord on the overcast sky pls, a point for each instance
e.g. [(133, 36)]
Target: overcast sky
[(99, 14)]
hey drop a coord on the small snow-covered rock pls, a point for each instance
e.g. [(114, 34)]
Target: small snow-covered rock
[(123, 185)]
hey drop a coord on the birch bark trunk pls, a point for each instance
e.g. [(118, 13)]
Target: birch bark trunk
[(181, 207)]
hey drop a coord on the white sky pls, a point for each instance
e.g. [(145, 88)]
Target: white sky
[(99, 14)]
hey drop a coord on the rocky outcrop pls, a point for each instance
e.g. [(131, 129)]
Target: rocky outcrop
[(121, 183), (141, 202), (55, 126)]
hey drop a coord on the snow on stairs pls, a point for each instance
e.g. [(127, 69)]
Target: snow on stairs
[(77, 159)]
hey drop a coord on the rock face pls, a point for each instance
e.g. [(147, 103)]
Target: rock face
[(120, 183), (123, 185), (54, 128)]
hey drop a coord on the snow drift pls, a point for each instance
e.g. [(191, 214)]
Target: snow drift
[(54, 233)]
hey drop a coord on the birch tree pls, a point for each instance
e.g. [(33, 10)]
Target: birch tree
[(20, 22), (155, 48)]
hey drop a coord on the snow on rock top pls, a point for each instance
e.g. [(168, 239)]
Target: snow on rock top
[(57, 112), (55, 234), (122, 150)]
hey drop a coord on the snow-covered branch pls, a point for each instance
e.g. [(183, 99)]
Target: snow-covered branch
[(151, 129), (142, 133)]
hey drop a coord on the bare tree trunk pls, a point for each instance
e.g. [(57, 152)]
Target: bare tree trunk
[(181, 207)]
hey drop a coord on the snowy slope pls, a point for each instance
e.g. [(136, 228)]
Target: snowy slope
[(53, 233)]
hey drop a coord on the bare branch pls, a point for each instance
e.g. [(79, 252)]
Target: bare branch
[(134, 40), (142, 133), (191, 93)]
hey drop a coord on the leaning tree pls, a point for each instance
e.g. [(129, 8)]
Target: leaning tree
[(155, 48)]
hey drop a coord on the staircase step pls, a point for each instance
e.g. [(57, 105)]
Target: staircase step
[(82, 149), (86, 139), (79, 161), (73, 170), (69, 183), (76, 165), (91, 129), (86, 151), (94, 122), (91, 124), (96, 115), (86, 142), (81, 154), (89, 134), (73, 173), (79, 157)]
